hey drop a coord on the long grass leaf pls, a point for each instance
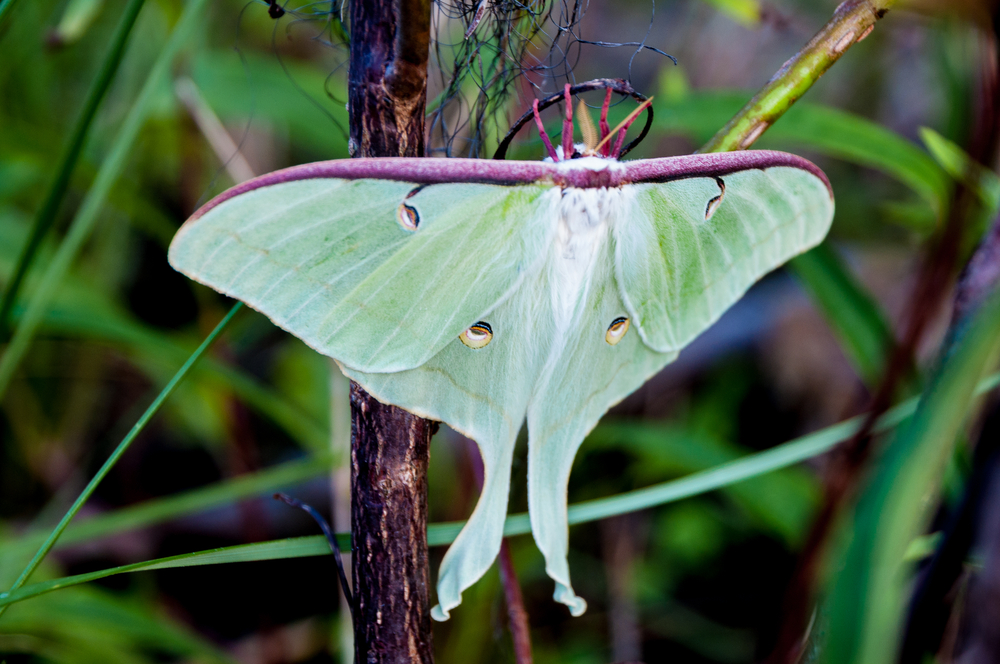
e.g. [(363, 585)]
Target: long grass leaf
[(71, 153), (159, 510), (867, 597), (120, 450), (439, 534), (298, 547), (83, 223)]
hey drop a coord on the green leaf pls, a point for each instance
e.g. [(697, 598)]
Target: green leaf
[(782, 501), (159, 510), (746, 12), (853, 315), (89, 625), (962, 167), (867, 597), (829, 131), (76, 18)]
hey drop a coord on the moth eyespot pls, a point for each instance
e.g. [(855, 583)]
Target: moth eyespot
[(714, 203), (477, 336), (408, 217), (616, 331)]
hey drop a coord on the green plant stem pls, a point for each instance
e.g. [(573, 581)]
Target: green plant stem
[(119, 451), (71, 153), (86, 216), (851, 22)]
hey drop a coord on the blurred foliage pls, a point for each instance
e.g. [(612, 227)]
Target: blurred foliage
[(707, 574)]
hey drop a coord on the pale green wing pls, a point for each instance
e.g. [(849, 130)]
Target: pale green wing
[(685, 256), (583, 377), (332, 262), (484, 394)]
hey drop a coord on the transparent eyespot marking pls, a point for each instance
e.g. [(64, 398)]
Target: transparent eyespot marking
[(616, 331), (714, 203), (408, 217), (477, 336)]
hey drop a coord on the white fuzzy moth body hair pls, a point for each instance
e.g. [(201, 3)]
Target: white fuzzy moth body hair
[(586, 217)]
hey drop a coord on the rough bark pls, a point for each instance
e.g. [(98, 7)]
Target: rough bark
[(389, 447), (388, 77), (389, 457)]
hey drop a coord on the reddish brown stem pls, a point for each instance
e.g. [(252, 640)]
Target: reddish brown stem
[(516, 613)]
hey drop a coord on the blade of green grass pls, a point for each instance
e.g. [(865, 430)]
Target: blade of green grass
[(71, 153), (159, 510), (439, 534), (962, 167), (867, 597), (120, 450), (77, 17), (86, 216), (297, 547), (854, 316)]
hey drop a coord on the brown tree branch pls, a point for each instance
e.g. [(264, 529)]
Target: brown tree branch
[(390, 448)]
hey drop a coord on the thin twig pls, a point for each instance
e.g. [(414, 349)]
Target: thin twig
[(517, 615), (331, 539), (851, 22), (215, 133)]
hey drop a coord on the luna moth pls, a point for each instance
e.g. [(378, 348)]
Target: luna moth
[(486, 293)]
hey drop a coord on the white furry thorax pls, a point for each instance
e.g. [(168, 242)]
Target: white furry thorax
[(586, 217)]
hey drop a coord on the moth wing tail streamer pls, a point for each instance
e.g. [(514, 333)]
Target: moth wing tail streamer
[(483, 393), (596, 365), (695, 245), (379, 274)]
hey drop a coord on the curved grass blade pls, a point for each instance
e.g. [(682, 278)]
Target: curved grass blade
[(439, 534), (867, 596), (86, 216), (160, 510), (57, 189), (296, 547), (120, 450)]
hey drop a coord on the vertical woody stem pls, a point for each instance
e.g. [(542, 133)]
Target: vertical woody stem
[(389, 447)]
